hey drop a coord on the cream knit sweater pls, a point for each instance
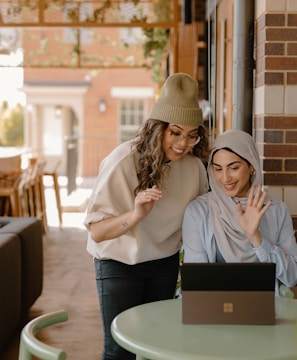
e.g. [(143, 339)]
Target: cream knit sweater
[(158, 235)]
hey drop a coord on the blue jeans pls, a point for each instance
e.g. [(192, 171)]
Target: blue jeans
[(122, 286)]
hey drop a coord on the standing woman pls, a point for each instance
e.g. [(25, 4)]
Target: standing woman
[(136, 209), (237, 221)]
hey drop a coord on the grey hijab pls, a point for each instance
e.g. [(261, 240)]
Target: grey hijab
[(231, 240)]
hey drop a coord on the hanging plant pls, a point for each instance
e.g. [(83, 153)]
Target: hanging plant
[(142, 12), (155, 47)]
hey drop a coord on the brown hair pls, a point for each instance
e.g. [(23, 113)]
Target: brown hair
[(153, 168)]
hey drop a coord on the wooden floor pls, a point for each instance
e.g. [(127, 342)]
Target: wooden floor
[(69, 283)]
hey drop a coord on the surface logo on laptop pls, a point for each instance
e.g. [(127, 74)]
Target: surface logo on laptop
[(228, 307)]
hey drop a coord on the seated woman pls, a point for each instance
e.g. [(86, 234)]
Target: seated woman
[(237, 221)]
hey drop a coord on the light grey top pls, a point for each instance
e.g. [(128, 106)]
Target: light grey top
[(278, 246), (211, 221)]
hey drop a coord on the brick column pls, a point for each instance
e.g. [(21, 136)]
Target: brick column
[(275, 97)]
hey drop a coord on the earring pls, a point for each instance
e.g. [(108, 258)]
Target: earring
[(253, 172)]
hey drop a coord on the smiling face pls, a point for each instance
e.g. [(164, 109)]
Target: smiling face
[(179, 140), (232, 173)]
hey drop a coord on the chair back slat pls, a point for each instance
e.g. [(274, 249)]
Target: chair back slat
[(31, 346)]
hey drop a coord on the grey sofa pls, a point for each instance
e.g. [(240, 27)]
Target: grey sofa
[(21, 271)]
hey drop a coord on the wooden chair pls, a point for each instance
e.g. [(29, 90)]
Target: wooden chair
[(30, 346), (25, 193), (9, 196), (10, 163), (53, 173), (39, 193), (32, 194)]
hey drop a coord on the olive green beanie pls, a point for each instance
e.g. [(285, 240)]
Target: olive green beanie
[(178, 101)]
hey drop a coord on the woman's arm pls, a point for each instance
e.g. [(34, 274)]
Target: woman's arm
[(195, 233), (115, 226), (112, 227), (279, 244)]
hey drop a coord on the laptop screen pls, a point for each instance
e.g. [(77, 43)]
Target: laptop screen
[(228, 276)]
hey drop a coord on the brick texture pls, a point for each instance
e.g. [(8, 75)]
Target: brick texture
[(290, 165), (276, 138), (276, 49), (276, 64), (281, 63), (272, 165), (285, 34), (291, 137), (273, 136), (292, 78), (273, 78), (280, 179), (292, 48), (274, 20), (280, 150), (292, 20), (280, 122)]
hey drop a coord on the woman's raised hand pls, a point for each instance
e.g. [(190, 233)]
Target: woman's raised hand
[(250, 218), (144, 201)]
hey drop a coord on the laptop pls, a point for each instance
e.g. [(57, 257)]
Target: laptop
[(228, 293)]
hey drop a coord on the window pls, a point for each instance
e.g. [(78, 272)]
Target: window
[(133, 103), (132, 115)]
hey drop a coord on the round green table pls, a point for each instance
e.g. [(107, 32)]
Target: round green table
[(155, 331)]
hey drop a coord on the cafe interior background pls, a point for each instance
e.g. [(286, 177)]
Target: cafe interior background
[(79, 77)]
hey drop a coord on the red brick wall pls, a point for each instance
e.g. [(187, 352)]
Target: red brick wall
[(276, 50), (276, 64)]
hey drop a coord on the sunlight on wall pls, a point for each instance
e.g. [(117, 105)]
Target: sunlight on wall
[(11, 79)]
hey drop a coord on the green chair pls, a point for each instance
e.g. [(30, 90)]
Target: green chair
[(30, 345)]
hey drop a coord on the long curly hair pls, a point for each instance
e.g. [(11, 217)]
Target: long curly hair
[(153, 165)]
